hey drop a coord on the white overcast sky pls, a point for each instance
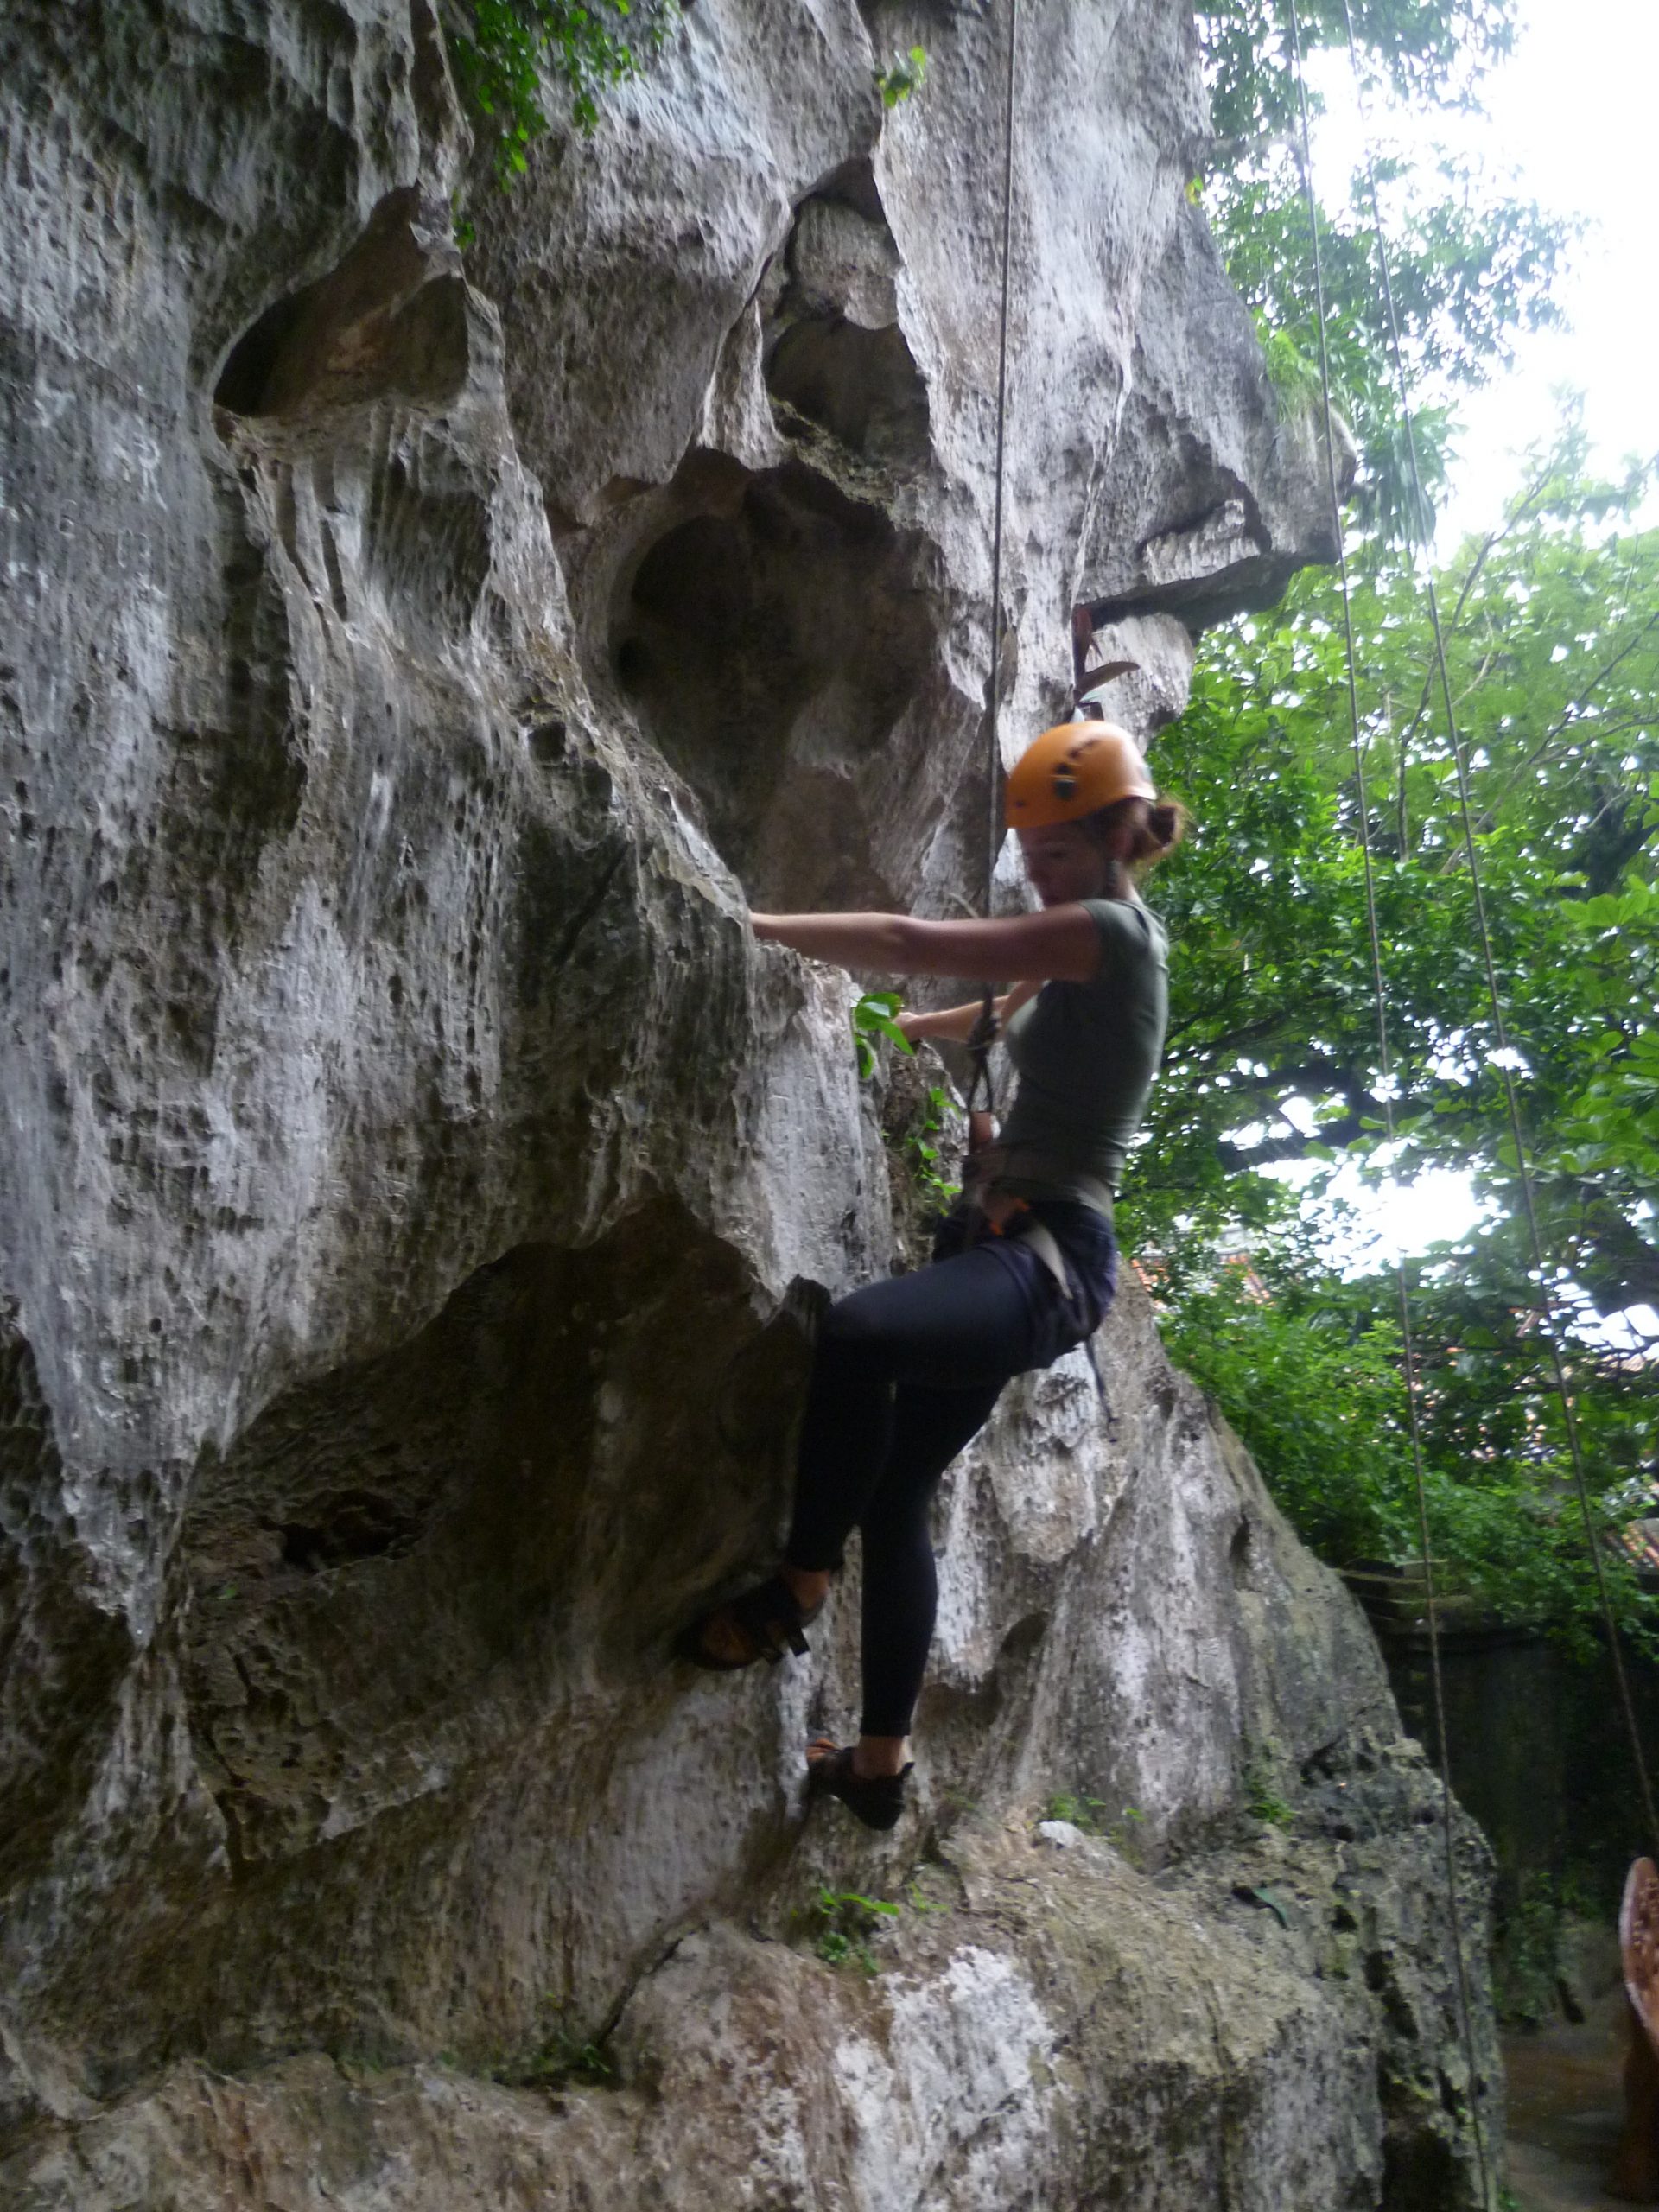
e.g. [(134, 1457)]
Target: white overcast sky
[(1571, 120)]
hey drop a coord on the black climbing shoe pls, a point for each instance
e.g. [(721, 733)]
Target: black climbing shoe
[(764, 1622), (877, 1799)]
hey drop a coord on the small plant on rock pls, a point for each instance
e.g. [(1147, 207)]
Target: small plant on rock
[(511, 50), (873, 1017), (922, 1146), (845, 1920), (1126, 1834), (1080, 1811), (1261, 1801), (562, 2061), (1088, 1814), (902, 77)]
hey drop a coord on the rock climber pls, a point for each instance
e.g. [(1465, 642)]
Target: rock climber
[(907, 1371)]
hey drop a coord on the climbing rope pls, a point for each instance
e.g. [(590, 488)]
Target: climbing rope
[(1454, 1918), (983, 1035), (1549, 1306), (993, 762)]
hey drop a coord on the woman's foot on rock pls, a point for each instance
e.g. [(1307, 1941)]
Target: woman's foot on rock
[(876, 1799), (765, 1623)]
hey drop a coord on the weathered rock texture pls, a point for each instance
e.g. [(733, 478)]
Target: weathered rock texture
[(417, 1182)]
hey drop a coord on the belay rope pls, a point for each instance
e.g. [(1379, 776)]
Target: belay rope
[(1548, 1311), (983, 1035)]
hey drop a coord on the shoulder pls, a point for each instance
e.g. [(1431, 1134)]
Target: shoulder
[(1131, 935)]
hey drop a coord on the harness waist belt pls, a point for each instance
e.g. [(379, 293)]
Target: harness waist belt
[(1026, 1163)]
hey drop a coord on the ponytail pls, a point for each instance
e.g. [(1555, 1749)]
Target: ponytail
[(1166, 823), (1160, 826)]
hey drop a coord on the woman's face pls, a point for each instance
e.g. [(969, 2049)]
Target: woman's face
[(1064, 864)]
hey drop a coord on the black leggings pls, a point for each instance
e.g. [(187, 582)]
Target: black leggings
[(905, 1374)]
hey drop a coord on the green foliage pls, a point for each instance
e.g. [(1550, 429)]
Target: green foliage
[(1296, 379), (1469, 268), (1125, 1834), (1319, 1404), (1261, 1801), (922, 1148), (1310, 1375), (903, 76), (1534, 1912), (562, 2061), (843, 1922), (1553, 653), (1431, 51), (512, 48), (1467, 274), (1088, 1814), (1082, 1811), (872, 1017)]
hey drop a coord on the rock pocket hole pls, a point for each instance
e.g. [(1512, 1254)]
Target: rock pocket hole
[(835, 351), (773, 650), (548, 740), (358, 1525), (390, 318), (860, 385), (1023, 1639)]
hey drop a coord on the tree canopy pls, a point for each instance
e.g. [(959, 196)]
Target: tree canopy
[(1552, 631), (1273, 1067)]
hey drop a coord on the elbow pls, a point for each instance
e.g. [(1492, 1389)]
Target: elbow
[(909, 945)]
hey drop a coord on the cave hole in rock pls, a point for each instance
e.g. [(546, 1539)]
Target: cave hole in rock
[(860, 385), (390, 318), (776, 647), (357, 1525), (523, 1500), (835, 352), (1023, 1639)]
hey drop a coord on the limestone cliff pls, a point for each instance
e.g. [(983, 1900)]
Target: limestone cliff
[(417, 1183)]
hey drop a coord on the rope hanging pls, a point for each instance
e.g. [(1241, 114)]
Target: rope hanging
[(984, 1030), (1548, 1308), (1454, 1918)]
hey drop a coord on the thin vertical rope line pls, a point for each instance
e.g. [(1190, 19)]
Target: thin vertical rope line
[(993, 762), (1549, 1310), (1363, 810)]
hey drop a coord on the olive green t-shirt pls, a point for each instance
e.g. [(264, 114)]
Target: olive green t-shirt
[(1086, 1054)]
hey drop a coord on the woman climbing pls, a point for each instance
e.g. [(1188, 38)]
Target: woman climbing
[(907, 1371)]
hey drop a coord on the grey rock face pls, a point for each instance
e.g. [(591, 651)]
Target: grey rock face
[(417, 1182)]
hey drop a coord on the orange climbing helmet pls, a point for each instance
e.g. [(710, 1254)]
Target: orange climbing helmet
[(1072, 770)]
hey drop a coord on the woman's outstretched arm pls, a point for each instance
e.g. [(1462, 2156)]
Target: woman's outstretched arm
[(951, 1022), (1061, 945), (955, 1023)]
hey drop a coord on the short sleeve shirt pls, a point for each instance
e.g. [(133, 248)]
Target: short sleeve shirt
[(1086, 1055)]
